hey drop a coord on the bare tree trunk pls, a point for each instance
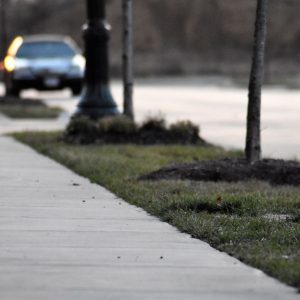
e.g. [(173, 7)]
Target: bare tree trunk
[(4, 37), (128, 57), (3, 18), (253, 139)]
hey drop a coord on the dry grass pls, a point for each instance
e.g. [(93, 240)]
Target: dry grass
[(30, 112)]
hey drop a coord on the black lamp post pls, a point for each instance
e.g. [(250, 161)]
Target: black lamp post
[(96, 100)]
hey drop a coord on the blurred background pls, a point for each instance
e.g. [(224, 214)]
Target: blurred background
[(178, 37), (192, 61)]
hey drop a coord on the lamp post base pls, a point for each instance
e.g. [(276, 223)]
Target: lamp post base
[(97, 102)]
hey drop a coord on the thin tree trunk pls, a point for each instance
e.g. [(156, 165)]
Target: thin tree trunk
[(3, 18), (128, 57), (4, 37), (253, 139)]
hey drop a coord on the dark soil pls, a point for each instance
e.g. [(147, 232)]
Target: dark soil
[(277, 172), (150, 137), (11, 100)]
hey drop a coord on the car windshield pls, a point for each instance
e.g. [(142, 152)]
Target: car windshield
[(47, 49)]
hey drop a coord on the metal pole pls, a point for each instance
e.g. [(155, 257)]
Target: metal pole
[(96, 100), (128, 58)]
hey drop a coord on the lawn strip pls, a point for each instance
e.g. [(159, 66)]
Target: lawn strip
[(16, 111), (253, 221)]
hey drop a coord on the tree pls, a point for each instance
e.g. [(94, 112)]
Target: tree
[(128, 58), (253, 138), (4, 37)]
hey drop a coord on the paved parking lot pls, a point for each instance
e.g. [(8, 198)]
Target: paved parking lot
[(216, 105)]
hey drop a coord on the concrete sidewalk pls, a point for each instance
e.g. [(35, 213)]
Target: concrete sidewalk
[(62, 237)]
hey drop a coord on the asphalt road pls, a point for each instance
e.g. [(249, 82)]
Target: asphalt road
[(215, 104)]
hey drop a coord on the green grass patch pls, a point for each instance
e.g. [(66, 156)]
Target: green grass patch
[(29, 112), (253, 221)]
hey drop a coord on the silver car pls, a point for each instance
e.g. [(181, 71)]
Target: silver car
[(43, 62)]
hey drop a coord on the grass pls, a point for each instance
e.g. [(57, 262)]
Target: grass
[(253, 221), (30, 112)]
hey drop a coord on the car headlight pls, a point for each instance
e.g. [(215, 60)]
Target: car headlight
[(78, 61), (77, 66), (9, 63), (9, 60)]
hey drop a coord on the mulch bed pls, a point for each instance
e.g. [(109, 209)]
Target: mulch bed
[(121, 130), (276, 172), (138, 138)]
